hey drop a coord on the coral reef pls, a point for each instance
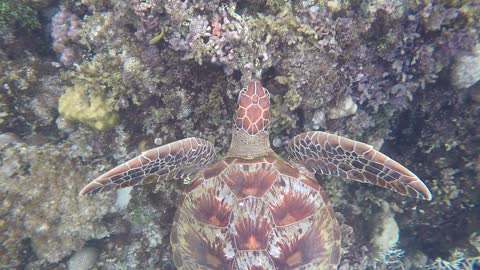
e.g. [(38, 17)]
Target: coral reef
[(85, 85), (39, 191)]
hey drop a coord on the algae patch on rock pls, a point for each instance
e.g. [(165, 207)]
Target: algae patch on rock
[(76, 106)]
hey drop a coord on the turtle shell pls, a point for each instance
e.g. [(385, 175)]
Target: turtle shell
[(255, 214)]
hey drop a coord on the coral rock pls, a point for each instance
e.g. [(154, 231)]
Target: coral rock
[(83, 259), (466, 71), (345, 108)]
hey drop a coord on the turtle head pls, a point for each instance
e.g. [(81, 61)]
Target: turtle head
[(253, 111), (250, 136)]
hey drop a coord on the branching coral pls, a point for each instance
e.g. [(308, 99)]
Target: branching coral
[(440, 264), (392, 259), (474, 240), (458, 264), (459, 260)]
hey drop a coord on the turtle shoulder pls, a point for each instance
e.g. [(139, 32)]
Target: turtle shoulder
[(255, 214)]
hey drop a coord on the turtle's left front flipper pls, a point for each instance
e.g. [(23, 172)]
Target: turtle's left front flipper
[(172, 161), (330, 154)]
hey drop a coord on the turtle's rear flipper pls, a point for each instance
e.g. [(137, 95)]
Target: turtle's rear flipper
[(330, 154), (175, 160)]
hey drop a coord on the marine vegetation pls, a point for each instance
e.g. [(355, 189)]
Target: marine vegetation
[(16, 16)]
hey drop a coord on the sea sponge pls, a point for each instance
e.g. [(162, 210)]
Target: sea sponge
[(77, 105)]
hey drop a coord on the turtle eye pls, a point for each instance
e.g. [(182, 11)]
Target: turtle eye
[(242, 92)]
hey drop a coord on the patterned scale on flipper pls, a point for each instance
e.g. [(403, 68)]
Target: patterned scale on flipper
[(256, 214)]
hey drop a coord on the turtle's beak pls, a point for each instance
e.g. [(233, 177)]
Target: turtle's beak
[(253, 112)]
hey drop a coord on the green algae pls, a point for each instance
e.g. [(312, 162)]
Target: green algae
[(18, 78), (15, 15), (140, 216), (283, 25), (39, 3), (201, 50), (276, 5), (292, 99), (282, 118), (18, 74)]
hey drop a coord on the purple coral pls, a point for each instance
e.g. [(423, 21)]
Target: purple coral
[(66, 34)]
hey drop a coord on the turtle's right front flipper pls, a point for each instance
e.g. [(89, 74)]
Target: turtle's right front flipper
[(175, 160), (330, 154)]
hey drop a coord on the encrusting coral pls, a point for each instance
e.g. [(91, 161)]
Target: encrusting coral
[(93, 109), (93, 97)]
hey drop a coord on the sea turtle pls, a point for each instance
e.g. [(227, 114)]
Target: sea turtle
[(253, 209)]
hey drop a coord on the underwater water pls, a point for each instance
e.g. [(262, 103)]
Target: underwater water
[(88, 85)]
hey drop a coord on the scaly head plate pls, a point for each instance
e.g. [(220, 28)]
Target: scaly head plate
[(253, 112)]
